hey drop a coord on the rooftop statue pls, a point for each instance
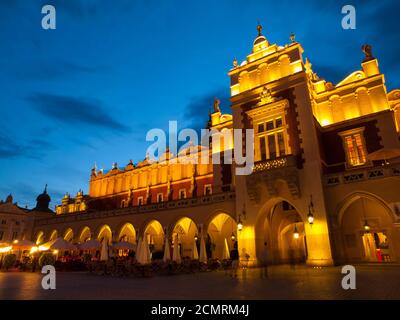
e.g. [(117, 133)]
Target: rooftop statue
[(367, 49), (216, 105)]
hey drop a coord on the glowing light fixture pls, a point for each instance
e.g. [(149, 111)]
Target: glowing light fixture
[(296, 234), (240, 225), (310, 216), (196, 237), (34, 249), (233, 237), (55, 252), (366, 226)]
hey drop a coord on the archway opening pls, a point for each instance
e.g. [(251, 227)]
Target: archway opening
[(185, 232), (105, 233), (281, 236), (69, 235), (127, 233), (39, 238), (221, 231), (368, 231), (85, 235), (155, 238), (53, 235)]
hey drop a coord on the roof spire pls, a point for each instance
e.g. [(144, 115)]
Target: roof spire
[(45, 188), (259, 28)]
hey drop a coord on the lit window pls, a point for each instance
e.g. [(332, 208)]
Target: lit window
[(207, 190), (182, 194), (354, 147), (272, 141)]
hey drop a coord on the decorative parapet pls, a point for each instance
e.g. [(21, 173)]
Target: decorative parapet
[(268, 173), (170, 205), (362, 175)]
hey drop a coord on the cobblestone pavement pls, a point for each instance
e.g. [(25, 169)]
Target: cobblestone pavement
[(373, 282)]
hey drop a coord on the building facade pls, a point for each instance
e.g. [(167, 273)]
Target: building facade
[(324, 187)]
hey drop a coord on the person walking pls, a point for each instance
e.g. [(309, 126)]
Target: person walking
[(264, 261), (234, 255)]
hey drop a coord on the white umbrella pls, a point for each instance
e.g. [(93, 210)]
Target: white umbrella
[(176, 256), (58, 244), (225, 253), (90, 245), (203, 253), (167, 254), (123, 245), (144, 252), (195, 253), (104, 250)]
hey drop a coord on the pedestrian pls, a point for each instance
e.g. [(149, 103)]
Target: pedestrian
[(234, 255), (264, 262)]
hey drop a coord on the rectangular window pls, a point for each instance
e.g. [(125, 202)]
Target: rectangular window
[(271, 146), (140, 201), (281, 144), (270, 125), (3, 221), (207, 190), (272, 140), (354, 147), (14, 235), (159, 197), (1, 235), (261, 127), (182, 194)]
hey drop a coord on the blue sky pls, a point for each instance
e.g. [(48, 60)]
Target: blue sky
[(89, 90)]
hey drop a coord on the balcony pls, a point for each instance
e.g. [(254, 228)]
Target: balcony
[(363, 175)]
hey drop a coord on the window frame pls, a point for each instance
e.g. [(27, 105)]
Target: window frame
[(351, 133)]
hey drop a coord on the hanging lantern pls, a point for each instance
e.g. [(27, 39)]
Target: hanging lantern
[(296, 234), (240, 225), (196, 237), (233, 237), (366, 226), (310, 217)]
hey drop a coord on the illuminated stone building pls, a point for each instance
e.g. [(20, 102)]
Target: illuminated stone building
[(325, 182)]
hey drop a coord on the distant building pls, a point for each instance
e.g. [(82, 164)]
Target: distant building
[(16, 223), (325, 183)]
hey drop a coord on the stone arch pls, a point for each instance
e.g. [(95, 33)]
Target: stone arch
[(184, 230), (280, 232), (104, 232), (367, 231), (154, 232), (39, 237), (68, 234), (53, 235), (220, 226), (127, 232), (85, 234)]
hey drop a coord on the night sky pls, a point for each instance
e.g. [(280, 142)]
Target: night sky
[(91, 89)]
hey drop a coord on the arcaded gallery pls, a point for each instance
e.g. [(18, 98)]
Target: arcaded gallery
[(324, 188)]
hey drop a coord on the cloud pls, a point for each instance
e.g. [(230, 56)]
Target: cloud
[(72, 111), (196, 112), (33, 149)]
